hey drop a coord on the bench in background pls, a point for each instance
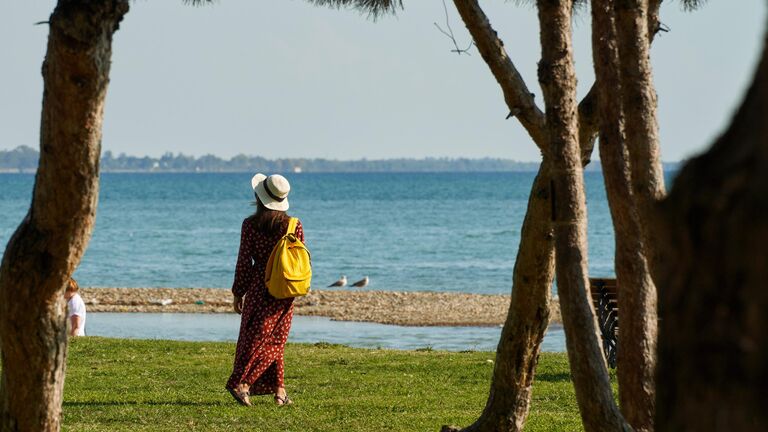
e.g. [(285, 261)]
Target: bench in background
[(605, 296)]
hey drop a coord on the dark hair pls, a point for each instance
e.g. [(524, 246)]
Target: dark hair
[(270, 222)]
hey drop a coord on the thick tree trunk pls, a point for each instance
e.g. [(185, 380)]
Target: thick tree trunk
[(588, 112), (637, 293), (517, 353), (558, 80), (713, 343), (518, 350), (46, 247), (638, 98)]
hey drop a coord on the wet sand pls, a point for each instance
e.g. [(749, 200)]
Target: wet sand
[(386, 307)]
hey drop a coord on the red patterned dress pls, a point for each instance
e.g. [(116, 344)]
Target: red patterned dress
[(265, 320)]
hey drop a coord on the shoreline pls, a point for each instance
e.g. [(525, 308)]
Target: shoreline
[(410, 308)]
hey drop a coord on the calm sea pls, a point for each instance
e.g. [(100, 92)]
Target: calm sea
[(431, 231)]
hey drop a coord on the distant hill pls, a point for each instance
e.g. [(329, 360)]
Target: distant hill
[(20, 159), (210, 163), (24, 159)]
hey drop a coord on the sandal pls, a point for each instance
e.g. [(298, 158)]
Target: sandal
[(282, 401), (240, 396)]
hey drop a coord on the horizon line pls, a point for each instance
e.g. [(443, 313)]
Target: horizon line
[(364, 158)]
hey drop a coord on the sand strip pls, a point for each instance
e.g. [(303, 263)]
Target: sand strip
[(418, 308)]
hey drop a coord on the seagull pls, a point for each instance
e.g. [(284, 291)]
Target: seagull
[(339, 283), (362, 283)]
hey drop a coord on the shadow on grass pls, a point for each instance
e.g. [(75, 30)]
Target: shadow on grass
[(553, 377), (151, 403)]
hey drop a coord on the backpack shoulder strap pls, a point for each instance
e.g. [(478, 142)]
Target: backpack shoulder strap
[(292, 225)]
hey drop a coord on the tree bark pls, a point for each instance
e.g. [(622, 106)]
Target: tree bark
[(589, 122), (713, 343), (48, 244), (518, 350), (638, 98), (637, 293), (508, 402), (509, 399), (558, 80)]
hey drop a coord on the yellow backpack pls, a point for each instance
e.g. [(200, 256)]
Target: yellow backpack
[(289, 269)]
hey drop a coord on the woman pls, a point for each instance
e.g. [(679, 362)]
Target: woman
[(265, 320)]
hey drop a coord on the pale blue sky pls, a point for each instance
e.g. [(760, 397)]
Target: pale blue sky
[(285, 79)]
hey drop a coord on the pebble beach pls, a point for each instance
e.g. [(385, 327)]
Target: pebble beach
[(419, 308)]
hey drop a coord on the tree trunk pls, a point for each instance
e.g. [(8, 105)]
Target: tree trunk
[(518, 350), (637, 293), (558, 80), (638, 98), (588, 112), (713, 343), (47, 246), (528, 316), (509, 398)]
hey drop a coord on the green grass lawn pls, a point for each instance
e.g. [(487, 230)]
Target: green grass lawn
[(115, 384)]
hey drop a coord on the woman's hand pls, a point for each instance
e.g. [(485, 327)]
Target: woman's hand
[(237, 304)]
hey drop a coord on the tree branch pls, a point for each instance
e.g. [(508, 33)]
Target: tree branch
[(516, 94), (450, 34), (588, 124)]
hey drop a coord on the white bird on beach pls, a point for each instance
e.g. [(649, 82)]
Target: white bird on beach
[(339, 283), (362, 283)]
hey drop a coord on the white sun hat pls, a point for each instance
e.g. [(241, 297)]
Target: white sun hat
[(272, 191)]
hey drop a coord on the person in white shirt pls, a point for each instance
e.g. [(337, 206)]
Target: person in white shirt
[(75, 309)]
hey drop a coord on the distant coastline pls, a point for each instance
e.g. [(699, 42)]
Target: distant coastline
[(24, 159)]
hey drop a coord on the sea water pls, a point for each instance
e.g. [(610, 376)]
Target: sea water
[(407, 232), (307, 329)]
